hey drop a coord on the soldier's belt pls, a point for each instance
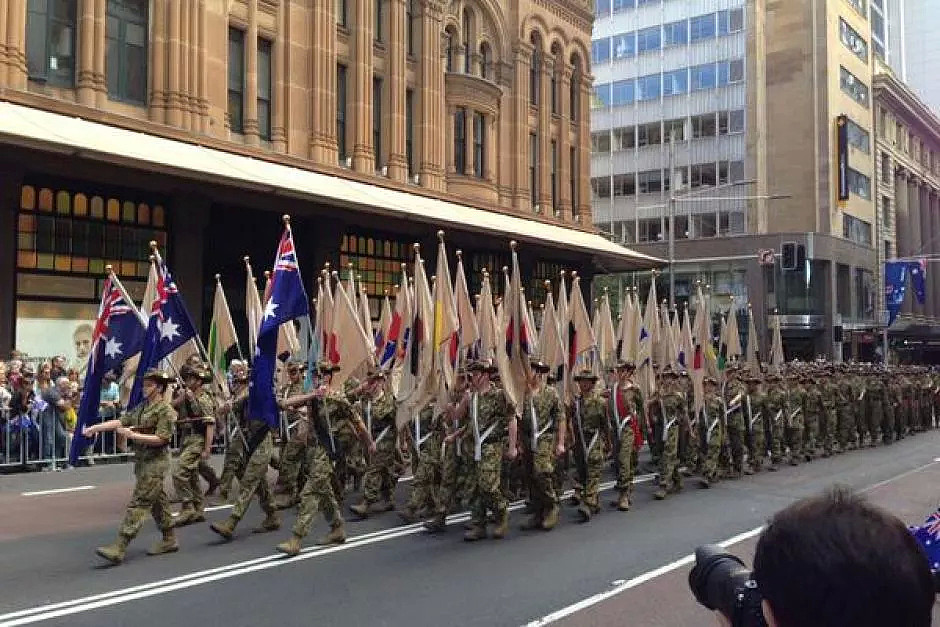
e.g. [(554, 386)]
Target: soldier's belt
[(543, 430), (711, 427), (668, 424), (794, 413), (590, 446), (478, 449), (777, 417), (622, 423), (383, 434), (732, 409), (754, 419)]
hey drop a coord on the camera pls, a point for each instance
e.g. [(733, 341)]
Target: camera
[(721, 582)]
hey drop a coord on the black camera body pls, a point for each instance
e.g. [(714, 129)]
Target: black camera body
[(721, 582)]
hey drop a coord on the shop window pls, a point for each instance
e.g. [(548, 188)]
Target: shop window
[(376, 262), (97, 207), (128, 212), (45, 199), (114, 210), (28, 197), (143, 213), (80, 206)]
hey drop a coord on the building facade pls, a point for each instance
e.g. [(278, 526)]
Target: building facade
[(373, 122), (907, 188), (765, 172)]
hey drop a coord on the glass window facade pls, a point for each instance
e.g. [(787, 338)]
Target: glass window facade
[(50, 41)]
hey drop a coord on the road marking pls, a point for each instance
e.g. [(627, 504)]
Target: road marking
[(679, 563), (115, 597), (58, 490)]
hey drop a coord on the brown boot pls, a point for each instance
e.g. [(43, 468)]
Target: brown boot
[(623, 503), (438, 524), (532, 522), (115, 551), (284, 501), (659, 494), (271, 522), (213, 486), (360, 509), (502, 525), (187, 516), (551, 518), (337, 535), (226, 528), (408, 515), (291, 547), (476, 532), (584, 512), (167, 545), (387, 506)]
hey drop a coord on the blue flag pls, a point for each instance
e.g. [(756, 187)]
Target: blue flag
[(928, 536), (287, 301), (169, 327), (918, 272), (118, 335), (895, 286)]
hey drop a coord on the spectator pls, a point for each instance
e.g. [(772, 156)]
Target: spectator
[(13, 373), (75, 380), (108, 409), (50, 417), (68, 409), (6, 393), (58, 367), (22, 430)]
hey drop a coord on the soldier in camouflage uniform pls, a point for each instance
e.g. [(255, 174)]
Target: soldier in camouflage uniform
[(196, 428), (894, 410), (325, 408), (690, 441), (815, 415), (670, 413), (877, 395), (428, 471), (354, 465), (587, 416), (258, 440), (543, 437), (794, 419), (775, 417), (491, 419), (734, 422), (149, 429), (291, 469), (626, 406), (379, 408), (754, 413), (713, 432), (847, 406), (233, 464)]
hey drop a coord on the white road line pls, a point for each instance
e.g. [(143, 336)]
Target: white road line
[(58, 490), (213, 508), (115, 597), (679, 563)]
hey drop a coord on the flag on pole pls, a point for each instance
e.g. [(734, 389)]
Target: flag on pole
[(776, 349), (486, 321), (686, 345), (222, 336), (381, 332), (604, 332), (581, 338), (446, 324), (753, 344), (514, 362), (287, 301), (253, 309), (117, 336), (418, 359), (466, 317), (354, 347), (701, 341)]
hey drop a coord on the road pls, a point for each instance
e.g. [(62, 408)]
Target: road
[(618, 569)]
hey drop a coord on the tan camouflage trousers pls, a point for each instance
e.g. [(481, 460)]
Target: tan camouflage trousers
[(427, 476), (594, 467), (318, 494), (381, 476), (253, 480), (292, 470), (148, 497), (487, 494), (714, 435), (669, 478), (233, 464), (186, 478), (627, 461), (542, 476)]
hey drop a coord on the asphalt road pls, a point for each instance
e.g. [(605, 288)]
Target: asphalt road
[(618, 569)]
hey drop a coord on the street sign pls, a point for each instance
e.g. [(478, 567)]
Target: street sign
[(765, 257)]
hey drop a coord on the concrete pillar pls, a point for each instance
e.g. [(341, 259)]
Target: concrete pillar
[(564, 144), (363, 153), (431, 144), (174, 115), (522, 201), (85, 70), (397, 84), (251, 75), (10, 182), (279, 78)]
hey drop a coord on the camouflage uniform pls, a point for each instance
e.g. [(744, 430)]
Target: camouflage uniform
[(427, 485), (794, 422), (292, 467), (381, 476), (816, 417), (194, 418), (588, 417), (233, 464), (734, 424), (627, 409), (713, 433), (673, 404), (847, 407), (754, 413), (877, 394), (541, 417), (894, 410), (776, 417), (493, 410), (690, 441), (253, 476)]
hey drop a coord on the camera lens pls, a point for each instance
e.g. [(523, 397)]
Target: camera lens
[(716, 577)]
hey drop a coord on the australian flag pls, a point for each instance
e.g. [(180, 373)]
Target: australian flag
[(118, 335), (928, 536), (287, 301), (169, 327)]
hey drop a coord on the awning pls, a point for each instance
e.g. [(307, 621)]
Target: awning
[(35, 128)]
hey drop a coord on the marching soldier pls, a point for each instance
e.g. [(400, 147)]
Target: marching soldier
[(206, 471), (589, 428), (815, 411), (543, 436), (149, 429), (233, 464), (626, 403), (428, 472), (291, 469), (713, 428), (849, 405), (670, 413), (878, 402), (381, 477), (734, 422), (775, 405), (754, 413), (196, 428), (794, 419)]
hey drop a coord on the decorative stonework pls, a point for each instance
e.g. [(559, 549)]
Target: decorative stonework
[(574, 12), (473, 92)]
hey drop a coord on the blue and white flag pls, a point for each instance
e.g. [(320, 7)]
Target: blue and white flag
[(287, 301), (168, 328), (895, 287), (918, 272), (928, 536), (118, 336)]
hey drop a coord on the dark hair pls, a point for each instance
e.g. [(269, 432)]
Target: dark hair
[(835, 559)]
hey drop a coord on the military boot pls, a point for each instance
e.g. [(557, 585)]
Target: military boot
[(226, 528), (438, 524), (188, 516), (271, 522), (408, 515), (115, 551), (337, 535), (551, 518), (387, 505), (361, 509), (214, 485), (502, 525), (476, 532), (291, 547), (285, 501), (167, 545), (584, 513), (659, 494), (623, 503), (532, 522)]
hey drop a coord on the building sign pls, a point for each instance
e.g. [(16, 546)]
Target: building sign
[(842, 155)]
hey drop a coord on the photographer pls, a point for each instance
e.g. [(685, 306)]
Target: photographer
[(825, 561)]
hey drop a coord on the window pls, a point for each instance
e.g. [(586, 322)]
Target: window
[(703, 126), (377, 260), (575, 93), (736, 121), (623, 92), (702, 27), (703, 76), (624, 45), (450, 50), (730, 21), (649, 134), (601, 96), (600, 141), (674, 130), (554, 175), (340, 8), (50, 41), (625, 138), (854, 87), (600, 50), (341, 112), (236, 79), (723, 122), (484, 60), (410, 27), (676, 33), (859, 184), (649, 39), (264, 89), (466, 42), (601, 7), (648, 87), (676, 82), (856, 230), (624, 184), (600, 187), (885, 168), (377, 120), (651, 230), (886, 213), (377, 16), (460, 140), (623, 5), (535, 73), (533, 168), (859, 5), (410, 130), (650, 181), (126, 59), (479, 145), (573, 183), (858, 137), (853, 41), (703, 175), (730, 72)]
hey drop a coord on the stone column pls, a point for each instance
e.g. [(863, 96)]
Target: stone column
[(450, 146), (492, 138), (584, 151), (933, 269), (85, 70), (363, 153), (204, 119), (185, 69), (4, 34), (16, 44), (251, 76), (323, 141), (101, 45), (432, 163), (397, 84), (468, 145), (522, 200), (564, 144), (174, 115), (279, 89), (545, 135), (902, 241)]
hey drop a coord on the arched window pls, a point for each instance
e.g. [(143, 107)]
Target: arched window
[(575, 88), (535, 70), (450, 49), (558, 59), (467, 43), (484, 60)]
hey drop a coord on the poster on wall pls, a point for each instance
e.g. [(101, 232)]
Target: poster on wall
[(47, 329)]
